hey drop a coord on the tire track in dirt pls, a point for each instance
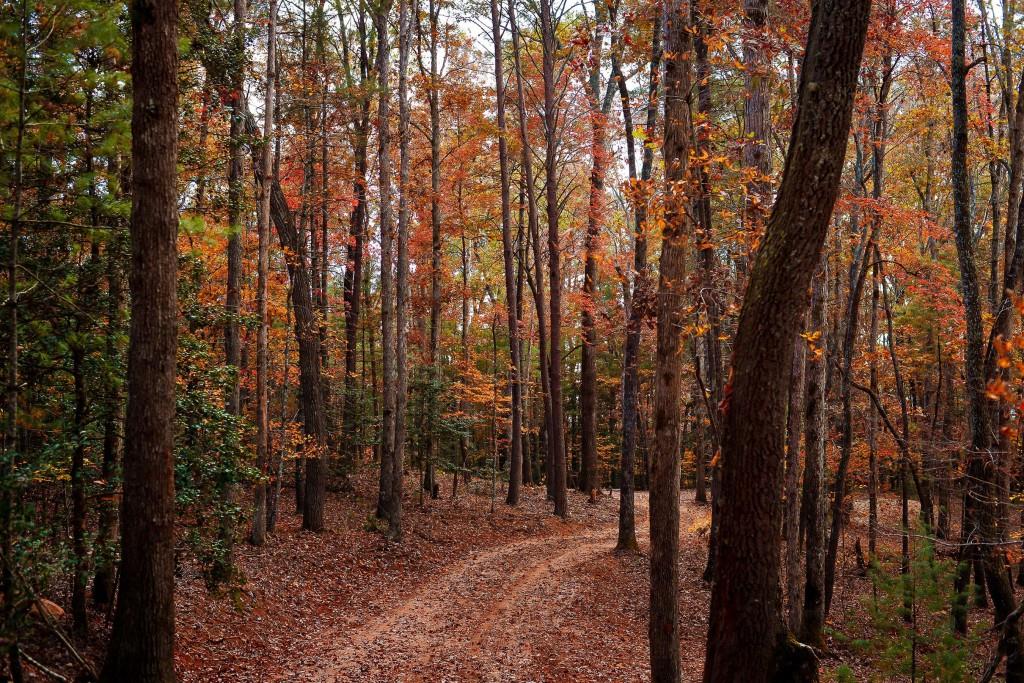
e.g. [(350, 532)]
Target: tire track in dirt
[(472, 623)]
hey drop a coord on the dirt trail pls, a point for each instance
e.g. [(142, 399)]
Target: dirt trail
[(475, 622)]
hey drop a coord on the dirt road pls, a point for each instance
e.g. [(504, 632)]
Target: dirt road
[(483, 619)]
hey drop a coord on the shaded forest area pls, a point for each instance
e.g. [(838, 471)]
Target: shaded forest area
[(381, 340)]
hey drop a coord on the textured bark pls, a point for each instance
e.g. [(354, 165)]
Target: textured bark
[(588, 377), (387, 255), (142, 640), (747, 638), (980, 514), (258, 534), (515, 472), (556, 433), (394, 510), (103, 580), (670, 304), (354, 254), (791, 519), (636, 311), (434, 100), (236, 190), (709, 296), (812, 621), (756, 118), (533, 222), (311, 401), (872, 424)]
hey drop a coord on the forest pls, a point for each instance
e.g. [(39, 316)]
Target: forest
[(517, 340)]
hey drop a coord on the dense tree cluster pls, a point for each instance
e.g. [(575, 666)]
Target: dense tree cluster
[(765, 250)]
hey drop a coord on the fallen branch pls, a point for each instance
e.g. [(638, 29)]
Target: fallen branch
[(42, 667)]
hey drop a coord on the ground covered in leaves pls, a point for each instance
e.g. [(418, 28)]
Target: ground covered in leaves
[(474, 595)]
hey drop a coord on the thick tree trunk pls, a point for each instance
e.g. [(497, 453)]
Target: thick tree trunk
[(142, 639), (747, 638), (670, 303)]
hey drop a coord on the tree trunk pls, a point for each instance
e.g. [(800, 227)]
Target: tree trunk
[(103, 580), (394, 511), (747, 638), (354, 256), (791, 521), (515, 473), (556, 434), (258, 535), (812, 623), (980, 515), (637, 308), (664, 497), (142, 639), (387, 255)]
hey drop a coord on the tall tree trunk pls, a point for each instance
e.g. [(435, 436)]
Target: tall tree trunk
[(980, 514), (236, 222), (103, 580), (556, 434), (747, 637), (709, 260), (394, 511), (791, 519), (533, 219), (142, 640), (588, 479), (872, 425), (387, 255), (258, 535), (354, 254), (812, 623), (637, 309), (515, 472), (670, 304), (756, 123), (433, 96)]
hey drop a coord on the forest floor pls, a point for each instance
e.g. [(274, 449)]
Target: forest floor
[(467, 595)]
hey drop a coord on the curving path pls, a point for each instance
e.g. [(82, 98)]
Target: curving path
[(474, 622)]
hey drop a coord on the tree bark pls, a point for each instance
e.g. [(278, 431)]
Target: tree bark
[(556, 433), (387, 255), (670, 303), (980, 514), (812, 621), (637, 309), (258, 535), (515, 472), (142, 640), (394, 511), (747, 638)]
